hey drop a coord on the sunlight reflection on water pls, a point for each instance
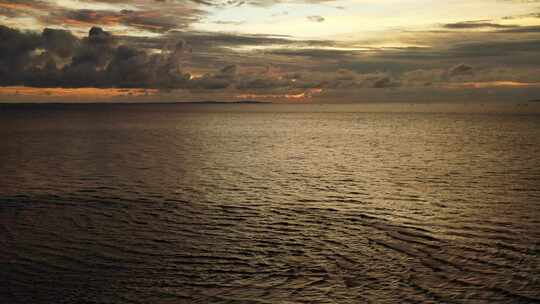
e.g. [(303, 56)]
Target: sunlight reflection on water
[(230, 204)]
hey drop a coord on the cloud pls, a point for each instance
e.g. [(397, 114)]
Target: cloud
[(152, 20), (15, 52), (321, 53), (228, 71), (522, 30), (229, 22), (262, 83), (476, 25), (144, 15), (222, 79), (18, 8), (496, 48), (218, 62), (385, 82), (529, 15), (316, 18), (158, 16), (461, 70), (56, 58), (59, 42), (261, 3), (86, 93), (209, 82), (220, 39)]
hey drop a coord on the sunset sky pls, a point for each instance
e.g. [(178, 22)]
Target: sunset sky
[(277, 50)]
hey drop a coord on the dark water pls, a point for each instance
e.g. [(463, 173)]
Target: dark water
[(267, 204)]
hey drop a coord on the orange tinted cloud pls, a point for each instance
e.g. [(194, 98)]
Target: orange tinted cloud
[(492, 84), (22, 5), (303, 95), (96, 93)]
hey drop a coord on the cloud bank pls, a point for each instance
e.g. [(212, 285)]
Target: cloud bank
[(152, 45)]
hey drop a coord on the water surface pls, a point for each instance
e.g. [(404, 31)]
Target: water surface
[(267, 204)]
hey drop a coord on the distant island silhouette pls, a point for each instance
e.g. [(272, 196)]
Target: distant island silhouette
[(228, 102)]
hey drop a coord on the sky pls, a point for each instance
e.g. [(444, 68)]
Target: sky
[(270, 50)]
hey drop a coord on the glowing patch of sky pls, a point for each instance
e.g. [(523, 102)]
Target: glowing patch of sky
[(28, 23), (357, 16), (74, 4)]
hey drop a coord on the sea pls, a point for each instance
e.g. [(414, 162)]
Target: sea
[(267, 203)]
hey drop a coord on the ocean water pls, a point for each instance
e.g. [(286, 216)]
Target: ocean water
[(267, 204)]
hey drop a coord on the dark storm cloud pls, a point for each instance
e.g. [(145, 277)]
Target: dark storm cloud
[(15, 52), (59, 42), (57, 58)]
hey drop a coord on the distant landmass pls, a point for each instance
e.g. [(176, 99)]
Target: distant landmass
[(534, 100)]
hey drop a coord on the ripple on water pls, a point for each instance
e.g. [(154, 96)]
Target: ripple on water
[(176, 205)]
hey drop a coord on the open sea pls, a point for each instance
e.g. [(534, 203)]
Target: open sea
[(266, 203)]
